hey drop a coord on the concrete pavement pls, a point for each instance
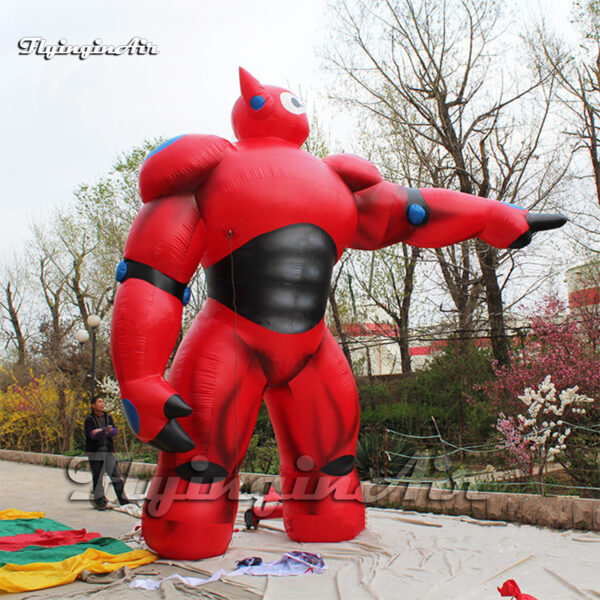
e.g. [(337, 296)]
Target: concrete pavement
[(429, 556), (63, 495)]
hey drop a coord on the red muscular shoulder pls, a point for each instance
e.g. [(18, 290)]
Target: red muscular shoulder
[(356, 172), (181, 164)]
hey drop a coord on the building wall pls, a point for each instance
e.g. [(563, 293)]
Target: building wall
[(583, 285)]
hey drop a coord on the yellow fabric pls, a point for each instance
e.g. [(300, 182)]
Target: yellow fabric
[(13, 513), (37, 576)]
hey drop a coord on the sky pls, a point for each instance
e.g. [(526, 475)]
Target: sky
[(65, 120)]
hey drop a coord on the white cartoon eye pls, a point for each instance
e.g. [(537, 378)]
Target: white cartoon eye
[(291, 103)]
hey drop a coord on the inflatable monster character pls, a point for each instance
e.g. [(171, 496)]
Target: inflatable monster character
[(267, 222)]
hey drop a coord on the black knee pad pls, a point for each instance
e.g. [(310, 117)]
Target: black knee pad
[(201, 471), (339, 466)]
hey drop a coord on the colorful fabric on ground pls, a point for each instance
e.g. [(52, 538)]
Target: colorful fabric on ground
[(38, 576), (33, 554), (46, 538), (13, 513), (45, 563), (19, 526)]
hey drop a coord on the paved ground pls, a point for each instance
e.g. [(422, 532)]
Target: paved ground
[(63, 496), (400, 554)]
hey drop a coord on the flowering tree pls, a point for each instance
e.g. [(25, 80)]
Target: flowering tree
[(543, 432), (520, 451), (556, 343), (564, 345), (40, 415)]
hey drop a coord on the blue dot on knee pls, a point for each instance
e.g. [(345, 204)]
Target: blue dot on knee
[(133, 417)]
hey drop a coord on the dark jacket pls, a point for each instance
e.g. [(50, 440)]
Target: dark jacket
[(104, 443)]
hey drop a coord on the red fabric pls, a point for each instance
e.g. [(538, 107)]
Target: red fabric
[(272, 496), (510, 588), (274, 118), (271, 510), (206, 199), (181, 166), (356, 172), (48, 539)]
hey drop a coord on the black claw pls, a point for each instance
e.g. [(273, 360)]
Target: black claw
[(176, 407), (173, 438), (544, 221), (522, 240)]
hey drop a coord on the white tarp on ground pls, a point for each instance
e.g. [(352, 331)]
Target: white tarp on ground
[(401, 555)]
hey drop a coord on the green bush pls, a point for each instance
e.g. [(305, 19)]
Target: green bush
[(379, 455), (444, 389), (261, 456)]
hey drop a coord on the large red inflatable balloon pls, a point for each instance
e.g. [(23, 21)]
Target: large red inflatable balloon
[(267, 222)]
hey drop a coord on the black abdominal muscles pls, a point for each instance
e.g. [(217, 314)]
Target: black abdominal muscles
[(278, 280)]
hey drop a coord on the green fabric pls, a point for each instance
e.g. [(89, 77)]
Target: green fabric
[(18, 526), (34, 554)]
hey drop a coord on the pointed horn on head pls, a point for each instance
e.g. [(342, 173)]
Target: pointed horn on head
[(249, 85)]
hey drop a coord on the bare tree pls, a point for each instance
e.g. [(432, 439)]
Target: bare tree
[(11, 306), (386, 278), (426, 74), (575, 67), (336, 302)]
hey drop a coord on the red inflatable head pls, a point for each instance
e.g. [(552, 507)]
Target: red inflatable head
[(268, 111)]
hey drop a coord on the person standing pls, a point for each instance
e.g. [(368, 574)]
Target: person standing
[(100, 430)]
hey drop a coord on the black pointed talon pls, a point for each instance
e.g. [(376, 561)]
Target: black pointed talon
[(538, 222), (522, 240), (176, 407), (544, 221), (173, 438)]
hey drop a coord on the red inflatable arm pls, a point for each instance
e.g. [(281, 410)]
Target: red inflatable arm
[(429, 217), (167, 237), (162, 253), (180, 165)]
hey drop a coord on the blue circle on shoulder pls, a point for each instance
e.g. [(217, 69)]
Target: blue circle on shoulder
[(187, 294), (416, 214), (513, 205), (121, 271), (257, 102), (133, 417), (164, 145)]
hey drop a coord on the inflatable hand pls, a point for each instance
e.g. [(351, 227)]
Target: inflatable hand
[(539, 222), (152, 408), (509, 226)]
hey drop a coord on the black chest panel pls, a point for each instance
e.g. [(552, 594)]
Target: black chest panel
[(278, 280)]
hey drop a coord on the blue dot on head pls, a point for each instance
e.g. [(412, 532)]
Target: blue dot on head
[(416, 214), (257, 102)]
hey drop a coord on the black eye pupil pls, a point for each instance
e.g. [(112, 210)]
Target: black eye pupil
[(296, 102)]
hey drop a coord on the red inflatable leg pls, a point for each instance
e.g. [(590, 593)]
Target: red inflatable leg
[(192, 502), (316, 420)]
